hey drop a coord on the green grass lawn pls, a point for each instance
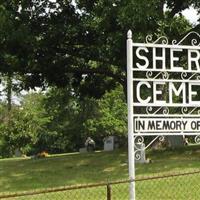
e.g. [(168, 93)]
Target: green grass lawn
[(71, 169), (25, 174)]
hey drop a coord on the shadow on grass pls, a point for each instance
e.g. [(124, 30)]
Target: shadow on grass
[(71, 169)]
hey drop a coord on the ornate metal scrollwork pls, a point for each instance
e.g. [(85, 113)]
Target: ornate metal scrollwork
[(150, 111), (139, 139), (163, 75), (197, 139), (165, 111), (194, 42), (164, 39), (186, 111), (161, 138), (160, 40), (184, 76), (149, 74), (139, 145)]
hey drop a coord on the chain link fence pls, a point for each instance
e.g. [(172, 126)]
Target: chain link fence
[(181, 186)]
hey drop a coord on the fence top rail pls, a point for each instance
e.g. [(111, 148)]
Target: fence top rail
[(86, 186)]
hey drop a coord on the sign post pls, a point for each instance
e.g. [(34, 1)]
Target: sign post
[(163, 92), (130, 115)]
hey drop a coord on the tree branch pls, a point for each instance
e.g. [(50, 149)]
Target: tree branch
[(118, 77), (178, 7)]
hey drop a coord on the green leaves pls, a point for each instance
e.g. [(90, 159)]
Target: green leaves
[(59, 43), (20, 127), (110, 117)]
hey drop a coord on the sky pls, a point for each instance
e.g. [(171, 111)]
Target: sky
[(191, 14)]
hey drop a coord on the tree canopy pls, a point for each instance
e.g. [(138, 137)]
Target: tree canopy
[(81, 42), (80, 47)]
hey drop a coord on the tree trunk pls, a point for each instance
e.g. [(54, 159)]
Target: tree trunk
[(9, 92)]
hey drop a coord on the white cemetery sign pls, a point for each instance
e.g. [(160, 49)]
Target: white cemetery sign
[(163, 91)]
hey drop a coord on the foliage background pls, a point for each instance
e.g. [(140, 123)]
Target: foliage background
[(75, 52)]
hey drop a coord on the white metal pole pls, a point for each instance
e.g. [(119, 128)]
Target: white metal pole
[(131, 154)]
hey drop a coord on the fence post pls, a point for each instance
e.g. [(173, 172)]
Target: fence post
[(108, 192)]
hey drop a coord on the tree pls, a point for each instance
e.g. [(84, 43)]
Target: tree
[(110, 117), (67, 112), (60, 43), (20, 129)]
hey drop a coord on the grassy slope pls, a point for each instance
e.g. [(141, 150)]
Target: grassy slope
[(25, 174)]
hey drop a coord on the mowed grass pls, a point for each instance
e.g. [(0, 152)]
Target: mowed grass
[(71, 169)]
